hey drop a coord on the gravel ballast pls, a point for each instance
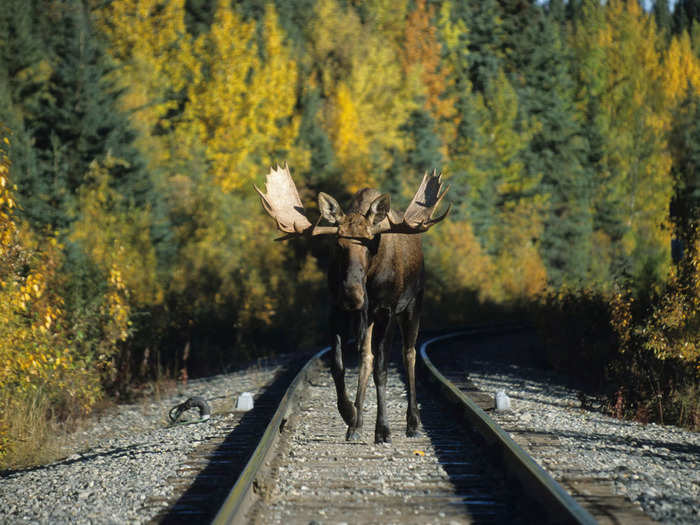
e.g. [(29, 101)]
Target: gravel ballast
[(656, 467), (125, 461)]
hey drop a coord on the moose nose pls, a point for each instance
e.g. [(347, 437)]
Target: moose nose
[(354, 297)]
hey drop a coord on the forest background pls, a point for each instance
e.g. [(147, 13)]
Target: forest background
[(132, 246)]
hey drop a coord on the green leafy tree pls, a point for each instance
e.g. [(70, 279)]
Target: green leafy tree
[(73, 121)]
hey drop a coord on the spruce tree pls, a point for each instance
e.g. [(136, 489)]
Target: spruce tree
[(23, 84), (422, 155), (78, 121), (662, 15), (685, 147), (485, 39), (685, 12), (538, 64)]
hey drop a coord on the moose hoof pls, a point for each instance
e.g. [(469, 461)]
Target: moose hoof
[(382, 435), (352, 434), (412, 432), (348, 413)]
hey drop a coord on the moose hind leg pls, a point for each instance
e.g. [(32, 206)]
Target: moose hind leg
[(365, 368), (409, 322)]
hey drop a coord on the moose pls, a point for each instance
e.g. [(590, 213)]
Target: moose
[(375, 276)]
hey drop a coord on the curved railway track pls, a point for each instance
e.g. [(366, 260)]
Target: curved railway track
[(462, 468)]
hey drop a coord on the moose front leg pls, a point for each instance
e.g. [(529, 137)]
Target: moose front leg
[(366, 360), (340, 331), (382, 347)]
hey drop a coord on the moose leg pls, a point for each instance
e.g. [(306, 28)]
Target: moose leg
[(365, 368), (409, 321), (345, 406), (382, 348)]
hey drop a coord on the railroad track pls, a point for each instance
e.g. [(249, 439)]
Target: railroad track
[(462, 468)]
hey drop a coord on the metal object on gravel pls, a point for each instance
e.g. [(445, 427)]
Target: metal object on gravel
[(193, 402), (128, 466)]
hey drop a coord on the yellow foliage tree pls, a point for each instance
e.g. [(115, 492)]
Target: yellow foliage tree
[(116, 238), (149, 40), (364, 108), (41, 373), (465, 262), (146, 33), (422, 49), (681, 69), (240, 107)]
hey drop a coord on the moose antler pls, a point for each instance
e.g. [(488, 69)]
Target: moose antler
[(417, 217), (283, 204)]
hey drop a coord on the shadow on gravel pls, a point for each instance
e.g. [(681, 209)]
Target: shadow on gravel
[(131, 450), (644, 446), (203, 498), (481, 485)]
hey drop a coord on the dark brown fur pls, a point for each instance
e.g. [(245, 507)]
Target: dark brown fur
[(373, 280), (375, 277)]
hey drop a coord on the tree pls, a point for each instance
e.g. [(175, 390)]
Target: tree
[(662, 15), (538, 63), (685, 12), (241, 99), (619, 74), (70, 117), (363, 112), (681, 69)]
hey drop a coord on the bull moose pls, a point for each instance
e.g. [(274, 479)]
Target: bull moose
[(375, 275)]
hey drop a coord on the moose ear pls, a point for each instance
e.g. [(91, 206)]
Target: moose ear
[(330, 209), (379, 209)]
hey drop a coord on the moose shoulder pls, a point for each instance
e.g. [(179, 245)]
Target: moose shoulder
[(375, 277)]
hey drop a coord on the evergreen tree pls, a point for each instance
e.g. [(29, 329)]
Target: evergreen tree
[(323, 167), (485, 40), (556, 11), (662, 15), (199, 15), (423, 154), (685, 12), (685, 147), (23, 84), (454, 22), (538, 64), (75, 121)]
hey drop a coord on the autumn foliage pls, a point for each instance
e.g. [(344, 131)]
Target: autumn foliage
[(133, 247)]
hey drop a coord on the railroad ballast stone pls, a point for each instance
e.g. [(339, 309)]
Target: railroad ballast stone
[(656, 467), (440, 476), (123, 462)]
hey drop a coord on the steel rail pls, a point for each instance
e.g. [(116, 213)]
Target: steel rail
[(534, 480), (241, 495), (539, 485)]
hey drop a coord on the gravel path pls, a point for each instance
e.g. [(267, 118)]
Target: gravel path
[(127, 458), (655, 466)]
